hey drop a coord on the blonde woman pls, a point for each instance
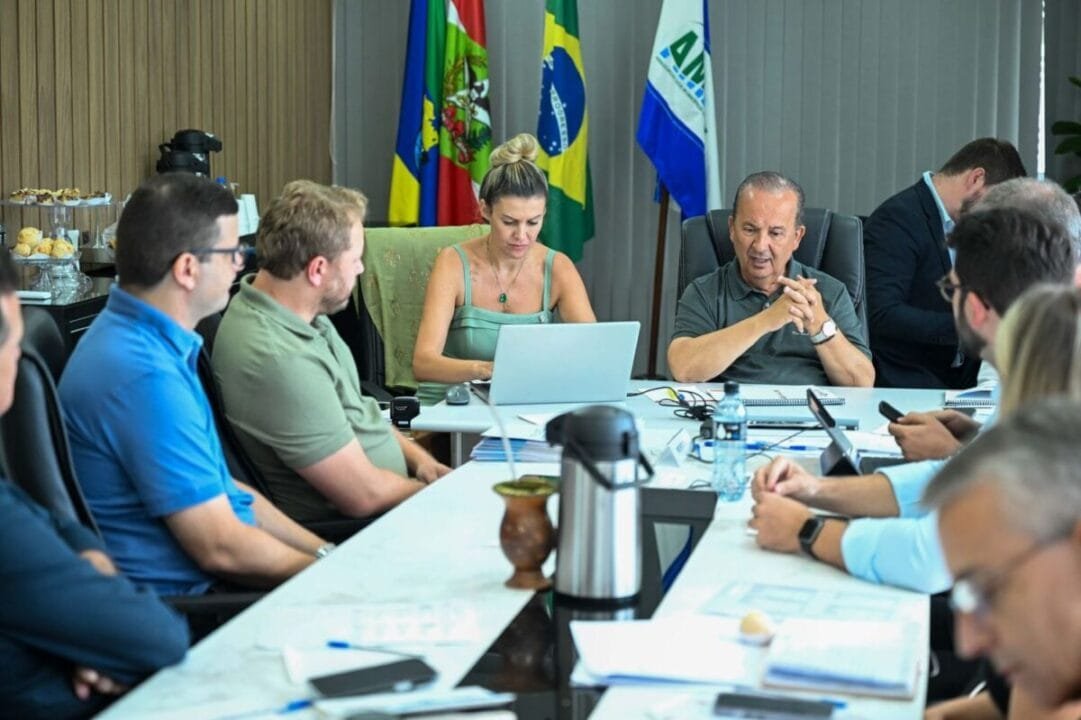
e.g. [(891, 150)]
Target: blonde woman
[(504, 277), (1038, 348)]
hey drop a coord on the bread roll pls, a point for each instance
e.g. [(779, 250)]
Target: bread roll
[(29, 236)]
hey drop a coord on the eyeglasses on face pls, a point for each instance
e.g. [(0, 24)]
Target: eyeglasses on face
[(239, 253), (948, 287), (973, 596)]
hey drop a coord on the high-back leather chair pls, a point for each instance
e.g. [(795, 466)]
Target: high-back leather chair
[(36, 451), (833, 243)]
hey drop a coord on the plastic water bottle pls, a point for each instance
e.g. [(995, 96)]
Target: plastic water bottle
[(730, 445)]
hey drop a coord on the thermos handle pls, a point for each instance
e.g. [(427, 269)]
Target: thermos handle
[(597, 475), (649, 468)]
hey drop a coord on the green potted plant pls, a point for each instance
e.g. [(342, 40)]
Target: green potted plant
[(1071, 144)]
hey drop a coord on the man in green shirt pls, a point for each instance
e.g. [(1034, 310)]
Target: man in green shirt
[(764, 317), (288, 380)]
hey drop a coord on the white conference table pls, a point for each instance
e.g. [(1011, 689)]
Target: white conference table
[(861, 404), (438, 554)]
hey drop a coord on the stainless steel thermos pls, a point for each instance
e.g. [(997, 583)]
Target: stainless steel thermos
[(599, 539)]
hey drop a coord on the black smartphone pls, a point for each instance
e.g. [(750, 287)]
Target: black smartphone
[(399, 676), (770, 707), (889, 411)]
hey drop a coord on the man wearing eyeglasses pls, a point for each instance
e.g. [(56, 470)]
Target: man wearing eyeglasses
[(1009, 518), (142, 432), (939, 434), (892, 540)]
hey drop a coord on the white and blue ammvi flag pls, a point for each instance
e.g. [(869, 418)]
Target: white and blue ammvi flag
[(677, 125)]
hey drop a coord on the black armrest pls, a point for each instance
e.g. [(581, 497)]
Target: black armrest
[(214, 603), (337, 531)]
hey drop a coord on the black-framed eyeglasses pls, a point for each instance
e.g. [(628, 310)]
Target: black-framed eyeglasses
[(948, 287), (973, 597), (240, 253)]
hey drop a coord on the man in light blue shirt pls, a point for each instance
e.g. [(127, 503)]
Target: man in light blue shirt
[(893, 541)]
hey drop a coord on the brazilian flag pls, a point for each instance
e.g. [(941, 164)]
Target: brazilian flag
[(563, 131)]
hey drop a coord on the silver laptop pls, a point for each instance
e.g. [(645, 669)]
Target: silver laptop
[(562, 363)]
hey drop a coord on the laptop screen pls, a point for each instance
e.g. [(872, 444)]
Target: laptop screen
[(830, 426)]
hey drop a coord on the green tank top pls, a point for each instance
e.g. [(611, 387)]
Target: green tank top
[(473, 330)]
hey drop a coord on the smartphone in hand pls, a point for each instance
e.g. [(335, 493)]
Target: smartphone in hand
[(889, 411)]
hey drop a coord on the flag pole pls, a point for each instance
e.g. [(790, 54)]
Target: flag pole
[(658, 279)]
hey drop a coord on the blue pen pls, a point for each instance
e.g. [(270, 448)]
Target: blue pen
[(290, 707), (346, 645), (771, 446), (293, 706)]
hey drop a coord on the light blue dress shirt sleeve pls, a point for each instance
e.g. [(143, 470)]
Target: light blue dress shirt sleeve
[(908, 481), (904, 552)]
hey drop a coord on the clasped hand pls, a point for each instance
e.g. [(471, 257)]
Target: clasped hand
[(800, 304)]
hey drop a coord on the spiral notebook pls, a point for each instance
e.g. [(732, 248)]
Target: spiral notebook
[(977, 397), (780, 396), (861, 657)]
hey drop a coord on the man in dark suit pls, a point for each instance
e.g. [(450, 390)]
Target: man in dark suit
[(913, 340)]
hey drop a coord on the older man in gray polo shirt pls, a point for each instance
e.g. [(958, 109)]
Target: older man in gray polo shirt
[(764, 317)]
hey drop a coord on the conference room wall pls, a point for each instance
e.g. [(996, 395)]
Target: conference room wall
[(89, 88), (853, 98)]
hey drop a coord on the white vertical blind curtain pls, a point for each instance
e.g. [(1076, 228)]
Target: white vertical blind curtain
[(853, 98), (1063, 58)]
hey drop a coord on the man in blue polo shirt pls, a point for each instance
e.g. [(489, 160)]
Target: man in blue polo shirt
[(142, 431)]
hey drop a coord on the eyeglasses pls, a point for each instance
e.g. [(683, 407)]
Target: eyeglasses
[(239, 253), (971, 597), (947, 287)]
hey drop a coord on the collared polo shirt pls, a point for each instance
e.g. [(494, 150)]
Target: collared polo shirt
[(143, 439), (783, 357), (292, 392)]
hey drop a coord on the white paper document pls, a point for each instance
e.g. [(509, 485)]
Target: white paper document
[(688, 648), (391, 625), (780, 602), (860, 657)]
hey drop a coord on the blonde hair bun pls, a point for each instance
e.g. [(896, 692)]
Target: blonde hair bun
[(520, 147)]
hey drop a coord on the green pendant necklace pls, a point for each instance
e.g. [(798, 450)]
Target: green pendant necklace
[(491, 262)]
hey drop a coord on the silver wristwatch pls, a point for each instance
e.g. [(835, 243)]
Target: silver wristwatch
[(323, 550), (828, 330)]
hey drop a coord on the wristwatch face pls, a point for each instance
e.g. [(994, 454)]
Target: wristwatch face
[(809, 532), (828, 330)]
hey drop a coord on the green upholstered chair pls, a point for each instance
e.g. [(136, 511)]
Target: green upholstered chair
[(397, 262)]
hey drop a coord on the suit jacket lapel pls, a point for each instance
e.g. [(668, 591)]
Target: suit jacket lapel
[(934, 223)]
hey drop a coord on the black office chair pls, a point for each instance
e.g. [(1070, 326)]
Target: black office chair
[(37, 454), (240, 464), (833, 243)]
